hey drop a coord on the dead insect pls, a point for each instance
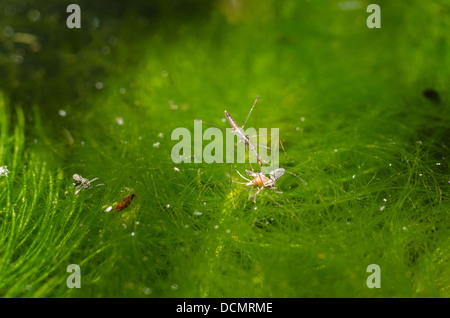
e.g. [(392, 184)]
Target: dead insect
[(260, 179), (83, 183), (125, 202)]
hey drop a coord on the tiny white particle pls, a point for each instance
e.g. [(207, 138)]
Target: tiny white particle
[(353, 177), (108, 209), (168, 206), (223, 120), (132, 234), (156, 144), (160, 135), (297, 128), (335, 150), (176, 169), (4, 171), (216, 227), (186, 226), (384, 200), (197, 213), (255, 208), (438, 163), (147, 290), (119, 120), (62, 113), (382, 208), (302, 118), (404, 228)]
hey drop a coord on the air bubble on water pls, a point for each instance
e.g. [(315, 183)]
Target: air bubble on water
[(197, 213), (62, 113), (390, 165), (168, 206), (8, 31), (147, 290), (353, 177), (113, 40), (204, 202), (404, 228), (10, 11), (133, 234), (34, 15), (438, 163), (420, 174), (255, 208), (156, 144)]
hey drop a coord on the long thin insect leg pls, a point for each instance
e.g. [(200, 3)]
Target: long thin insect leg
[(248, 151), (282, 147), (256, 100), (231, 190), (243, 176)]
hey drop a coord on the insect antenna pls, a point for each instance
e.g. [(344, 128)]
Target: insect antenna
[(256, 100)]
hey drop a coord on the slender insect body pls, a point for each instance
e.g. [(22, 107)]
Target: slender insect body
[(260, 179), (83, 183)]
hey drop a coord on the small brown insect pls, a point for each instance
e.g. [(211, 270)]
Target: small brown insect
[(125, 202)]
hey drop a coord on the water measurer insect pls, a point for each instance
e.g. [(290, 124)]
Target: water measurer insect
[(83, 183), (260, 179)]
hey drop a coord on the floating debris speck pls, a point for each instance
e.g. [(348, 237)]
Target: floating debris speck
[(156, 144), (62, 113), (176, 169), (382, 208), (197, 213), (119, 120)]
